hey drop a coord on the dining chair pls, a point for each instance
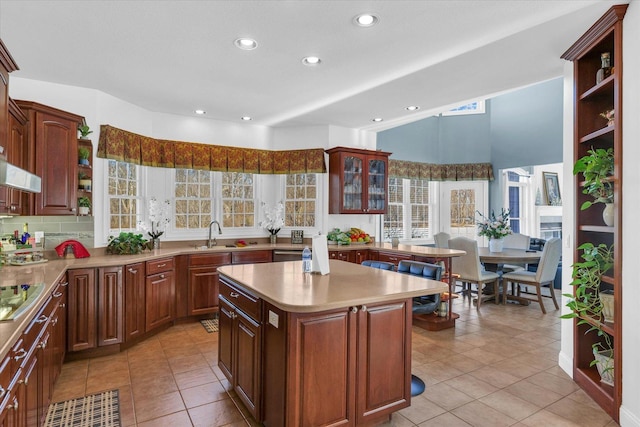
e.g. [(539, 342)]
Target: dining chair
[(542, 277), (515, 241), (442, 240), (471, 270)]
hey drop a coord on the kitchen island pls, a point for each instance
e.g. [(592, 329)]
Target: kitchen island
[(307, 350)]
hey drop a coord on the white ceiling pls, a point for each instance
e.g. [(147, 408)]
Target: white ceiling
[(176, 56)]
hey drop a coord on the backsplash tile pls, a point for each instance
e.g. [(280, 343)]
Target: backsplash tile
[(56, 229)]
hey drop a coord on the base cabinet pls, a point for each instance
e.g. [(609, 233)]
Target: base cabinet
[(134, 297), (160, 292), (204, 282)]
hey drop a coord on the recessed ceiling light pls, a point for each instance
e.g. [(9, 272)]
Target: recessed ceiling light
[(246, 44), (311, 60), (412, 108), (377, 119), (200, 112), (366, 20), (246, 118)]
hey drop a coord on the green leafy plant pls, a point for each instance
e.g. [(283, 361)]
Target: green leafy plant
[(84, 202), (84, 130), (126, 244), (83, 153), (597, 167), (585, 303)]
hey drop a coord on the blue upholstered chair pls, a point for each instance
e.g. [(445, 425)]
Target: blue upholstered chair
[(429, 303), (379, 264)]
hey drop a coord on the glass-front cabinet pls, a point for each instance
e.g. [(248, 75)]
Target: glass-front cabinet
[(357, 181)]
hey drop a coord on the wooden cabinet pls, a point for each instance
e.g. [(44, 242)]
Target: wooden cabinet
[(240, 344), (7, 65), (359, 384), (12, 201), (160, 293), (52, 135), (392, 257), (95, 314), (348, 256), (134, 301), (203, 282), (251, 257), (358, 181), (593, 96)]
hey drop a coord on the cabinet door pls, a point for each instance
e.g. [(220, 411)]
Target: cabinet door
[(384, 377), (203, 290), (110, 302), (326, 344), (225, 339), (247, 353), (81, 320), (134, 283), (377, 183), (11, 200), (55, 138), (160, 299), (361, 256)]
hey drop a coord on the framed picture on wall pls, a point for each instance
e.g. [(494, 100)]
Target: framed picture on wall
[(552, 188)]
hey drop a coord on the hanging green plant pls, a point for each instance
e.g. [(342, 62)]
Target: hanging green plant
[(597, 167)]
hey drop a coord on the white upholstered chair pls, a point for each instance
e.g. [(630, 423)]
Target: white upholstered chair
[(543, 277), (471, 270), (442, 240), (515, 241)]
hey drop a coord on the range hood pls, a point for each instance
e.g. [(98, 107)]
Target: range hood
[(15, 177)]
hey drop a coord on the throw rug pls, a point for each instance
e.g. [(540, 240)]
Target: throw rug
[(211, 325), (96, 410)]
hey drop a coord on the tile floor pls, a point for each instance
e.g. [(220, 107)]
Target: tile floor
[(498, 367)]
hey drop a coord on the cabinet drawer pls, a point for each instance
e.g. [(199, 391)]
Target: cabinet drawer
[(210, 259), (159, 265), (241, 299), (393, 257), (5, 375), (251, 257)]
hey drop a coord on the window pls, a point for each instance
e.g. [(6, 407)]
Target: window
[(408, 196), (517, 183), (300, 200), (123, 195), (419, 199), (193, 203), (393, 224), (475, 107), (238, 205)]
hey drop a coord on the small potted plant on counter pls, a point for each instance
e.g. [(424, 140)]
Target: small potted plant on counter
[(126, 244), (84, 204)]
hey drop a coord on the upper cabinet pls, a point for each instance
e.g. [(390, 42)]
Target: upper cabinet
[(358, 181), (52, 137), (597, 62), (7, 65)]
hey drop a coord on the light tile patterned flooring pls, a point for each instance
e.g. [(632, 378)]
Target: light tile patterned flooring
[(498, 367)]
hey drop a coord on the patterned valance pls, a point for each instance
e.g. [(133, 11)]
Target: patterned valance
[(433, 172), (118, 144)]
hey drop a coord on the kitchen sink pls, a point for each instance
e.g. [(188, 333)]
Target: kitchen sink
[(16, 299)]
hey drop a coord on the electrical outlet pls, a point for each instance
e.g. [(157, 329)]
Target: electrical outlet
[(273, 318)]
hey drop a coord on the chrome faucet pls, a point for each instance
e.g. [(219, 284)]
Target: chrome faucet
[(212, 241)]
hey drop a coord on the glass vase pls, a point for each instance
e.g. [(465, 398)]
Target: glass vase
[(272, 238)]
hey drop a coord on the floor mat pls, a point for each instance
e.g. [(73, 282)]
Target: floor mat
[(211, 325), (96, 410)]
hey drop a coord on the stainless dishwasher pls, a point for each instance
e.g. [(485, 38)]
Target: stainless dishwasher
[(287, 255)]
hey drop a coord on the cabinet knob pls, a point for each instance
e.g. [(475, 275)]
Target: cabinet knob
[(63, 305), (354, 309), (234, 295), (133, 271), (20, 354), (162, 276), (363, 308)]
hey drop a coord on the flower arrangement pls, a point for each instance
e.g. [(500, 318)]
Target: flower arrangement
[(273, 218), (494, 227), (159, 218)]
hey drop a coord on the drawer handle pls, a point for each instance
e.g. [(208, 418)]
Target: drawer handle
[(41, 319), (2, 392), (20, 354), (161, 265), (133, 271), (57, 294), (234, 295), (64, 284)]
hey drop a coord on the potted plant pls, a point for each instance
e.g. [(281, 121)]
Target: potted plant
[(126, 244), (84, 131), (84, 181), (84, 204), (83, 155), (597, 168), (586, 302)]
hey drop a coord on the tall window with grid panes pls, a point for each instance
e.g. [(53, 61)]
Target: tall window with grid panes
[(123, 196), (409, 210), (300, 200), (238, 199), (193, 203)]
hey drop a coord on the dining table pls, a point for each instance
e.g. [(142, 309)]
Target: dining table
[(494, 261)]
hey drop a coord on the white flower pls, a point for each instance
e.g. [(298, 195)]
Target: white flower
[(273, 218), (159, 217)]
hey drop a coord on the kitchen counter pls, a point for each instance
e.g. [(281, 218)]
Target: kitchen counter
[(284, 285), (52, 271)]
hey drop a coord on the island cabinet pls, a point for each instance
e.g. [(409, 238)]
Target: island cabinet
[(203, 282), (160, 292), (358, 181), (134, 301), (327, 368), (52, 134), (240, 343), (95, 308)]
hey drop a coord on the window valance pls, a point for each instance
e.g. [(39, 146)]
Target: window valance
[(124, 146), (433, 172)]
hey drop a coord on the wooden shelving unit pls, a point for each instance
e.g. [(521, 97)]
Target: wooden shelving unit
[(592, 131), (85, 189)]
